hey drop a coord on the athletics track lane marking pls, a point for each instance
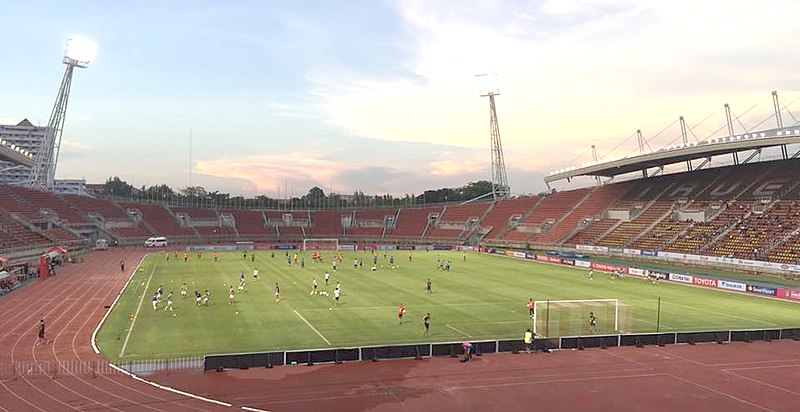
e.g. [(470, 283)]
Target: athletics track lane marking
[(138, 308), (728, 395), (759, 382), (312, 327)]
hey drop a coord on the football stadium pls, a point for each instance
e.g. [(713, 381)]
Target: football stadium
[(662, 275)]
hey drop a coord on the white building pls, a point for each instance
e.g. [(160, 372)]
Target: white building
[(71, 186), (24, 135)]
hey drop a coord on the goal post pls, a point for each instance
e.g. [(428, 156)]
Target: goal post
[(554, 318), (321, 244)]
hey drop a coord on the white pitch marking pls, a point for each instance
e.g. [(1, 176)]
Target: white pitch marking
[(312, 327), (459, 331), (138, 308)]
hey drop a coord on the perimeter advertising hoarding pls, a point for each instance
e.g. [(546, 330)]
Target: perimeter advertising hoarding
[(790, 294), (701, 281), (678, 277), (221, 247), (762, 290), (726, 284), (550, 259), (609, 268)]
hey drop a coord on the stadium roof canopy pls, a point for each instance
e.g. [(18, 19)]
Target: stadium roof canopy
[(681, 153), (15, 155)]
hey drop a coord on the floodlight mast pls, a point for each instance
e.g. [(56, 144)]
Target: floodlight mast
[(78, 53), (500, 187)]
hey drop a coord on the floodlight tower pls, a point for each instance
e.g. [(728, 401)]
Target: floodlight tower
[(500, 187), (79, 52)]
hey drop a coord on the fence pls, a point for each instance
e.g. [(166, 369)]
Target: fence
[(146, 366), (425, 350), (54, 369)]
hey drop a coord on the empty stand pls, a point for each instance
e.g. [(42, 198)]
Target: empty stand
[(325, 223), (498, 218), (371, 222), (412, 222), (51, 202), (106, 209), (195, 213), (251, 223), (10, 202), (454, 223), (597, 200), (13, 235), (159, 218), (546, 213)]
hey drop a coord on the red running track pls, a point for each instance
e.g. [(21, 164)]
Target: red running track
[(710, 377), (731, 377), (66, 374)]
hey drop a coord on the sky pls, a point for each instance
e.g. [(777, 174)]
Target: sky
[(380, 96)]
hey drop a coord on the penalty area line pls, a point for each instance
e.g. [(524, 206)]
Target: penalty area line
[(459, 331), (312, 327), (136, 315)]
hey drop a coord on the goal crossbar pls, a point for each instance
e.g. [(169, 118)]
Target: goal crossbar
[(314, 244)]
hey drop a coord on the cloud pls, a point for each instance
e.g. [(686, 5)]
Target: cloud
[(292, 174), (452, 167), (272, 172), (74, 145), (572, 74)]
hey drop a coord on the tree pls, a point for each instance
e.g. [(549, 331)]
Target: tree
[(117, 187)]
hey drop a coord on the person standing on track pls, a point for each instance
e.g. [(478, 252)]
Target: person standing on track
[(41, 333), (527, 339), (122, 265)]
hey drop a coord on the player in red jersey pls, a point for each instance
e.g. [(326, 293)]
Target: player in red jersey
[(400, 312), (530, 305)]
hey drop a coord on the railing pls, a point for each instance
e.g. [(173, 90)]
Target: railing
[(478, 348), (54, 369), (147, 366)]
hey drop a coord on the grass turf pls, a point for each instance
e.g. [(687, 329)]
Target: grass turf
[(483, 297)]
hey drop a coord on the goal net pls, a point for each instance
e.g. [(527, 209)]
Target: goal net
[(320, 244), (571, 317)]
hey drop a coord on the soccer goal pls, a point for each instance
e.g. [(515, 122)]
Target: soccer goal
[(320, 244), (571, 317)]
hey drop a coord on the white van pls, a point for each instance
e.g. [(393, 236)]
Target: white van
[(156, 242)]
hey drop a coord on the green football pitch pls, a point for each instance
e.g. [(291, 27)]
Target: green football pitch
[(481, 297)]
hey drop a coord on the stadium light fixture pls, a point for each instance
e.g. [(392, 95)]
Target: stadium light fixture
[(79, 51)]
